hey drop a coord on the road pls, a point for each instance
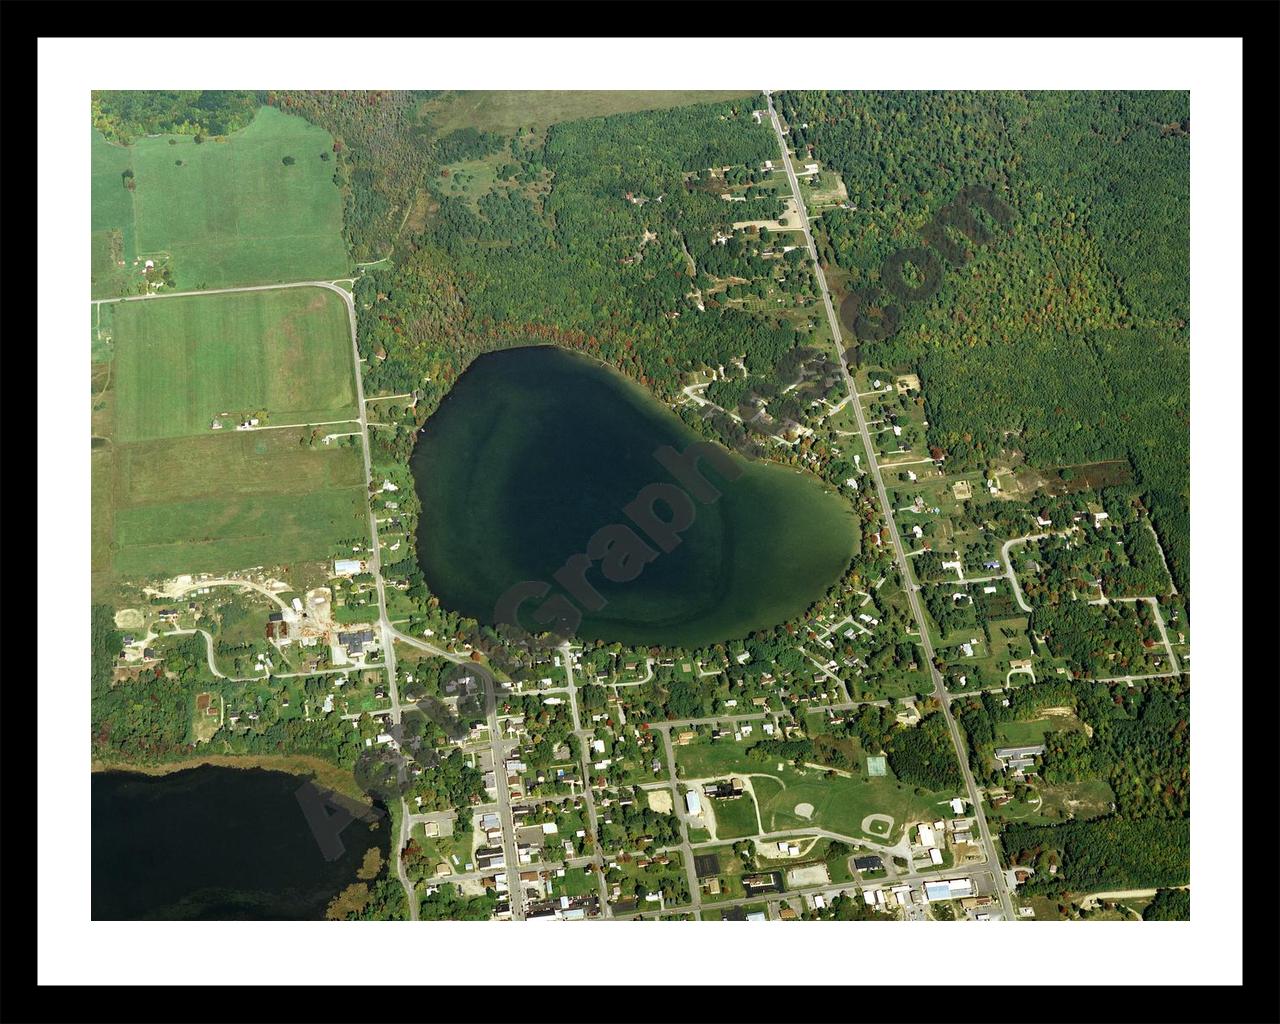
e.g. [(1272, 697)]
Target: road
[(940, 691), (584, 741), (1008, 562), (678, 808)]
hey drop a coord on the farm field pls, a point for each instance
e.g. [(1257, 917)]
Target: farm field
[(111, 223), (172, 496), (229, 211), (243, 463), (221, 534), (507, 111), (223, 212), (180, 362)]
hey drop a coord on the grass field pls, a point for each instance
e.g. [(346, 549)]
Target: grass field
[(111, 223), (227, 211), (507, 111), (230, 465), (735, 818), (180, 362), (839, 803), (220, 534), (212, 501)]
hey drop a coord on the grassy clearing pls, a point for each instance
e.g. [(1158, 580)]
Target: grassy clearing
[(507, 111), (181, 362), (1088, 799), (232, 212)]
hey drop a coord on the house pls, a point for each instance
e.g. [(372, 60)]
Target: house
[(870, 863)]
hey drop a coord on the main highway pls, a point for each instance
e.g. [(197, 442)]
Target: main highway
[(908, 584)]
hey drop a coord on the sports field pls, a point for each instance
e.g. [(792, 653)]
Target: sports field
[(180, 362), (225, 211), (790, 798)]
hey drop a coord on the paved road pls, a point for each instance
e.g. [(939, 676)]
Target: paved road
[(678, 808), (1008, 561), (584, 740), (913, 598)]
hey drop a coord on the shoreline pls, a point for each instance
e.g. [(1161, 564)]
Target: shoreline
[(323, 772)]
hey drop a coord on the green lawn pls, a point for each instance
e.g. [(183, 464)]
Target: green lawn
[(735, 818), (1021, 734), (576, 882), (180, 362), (232, 213)]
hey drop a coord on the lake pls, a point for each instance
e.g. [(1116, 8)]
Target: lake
[(535, 449), (214, 843)]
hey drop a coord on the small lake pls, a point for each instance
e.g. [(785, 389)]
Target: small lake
[(535, 449), (214, 843)]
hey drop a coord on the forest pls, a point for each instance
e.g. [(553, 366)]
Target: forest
[(1140, 742), (1064, 336), (124, 115), (1105, 853)]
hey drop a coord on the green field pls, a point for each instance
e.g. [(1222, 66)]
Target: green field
[(211, 501), (180, 362), (839, 804), (507, 111), (238, 464), (227, 211), (216, 534), (111, 223), (735, 818)]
